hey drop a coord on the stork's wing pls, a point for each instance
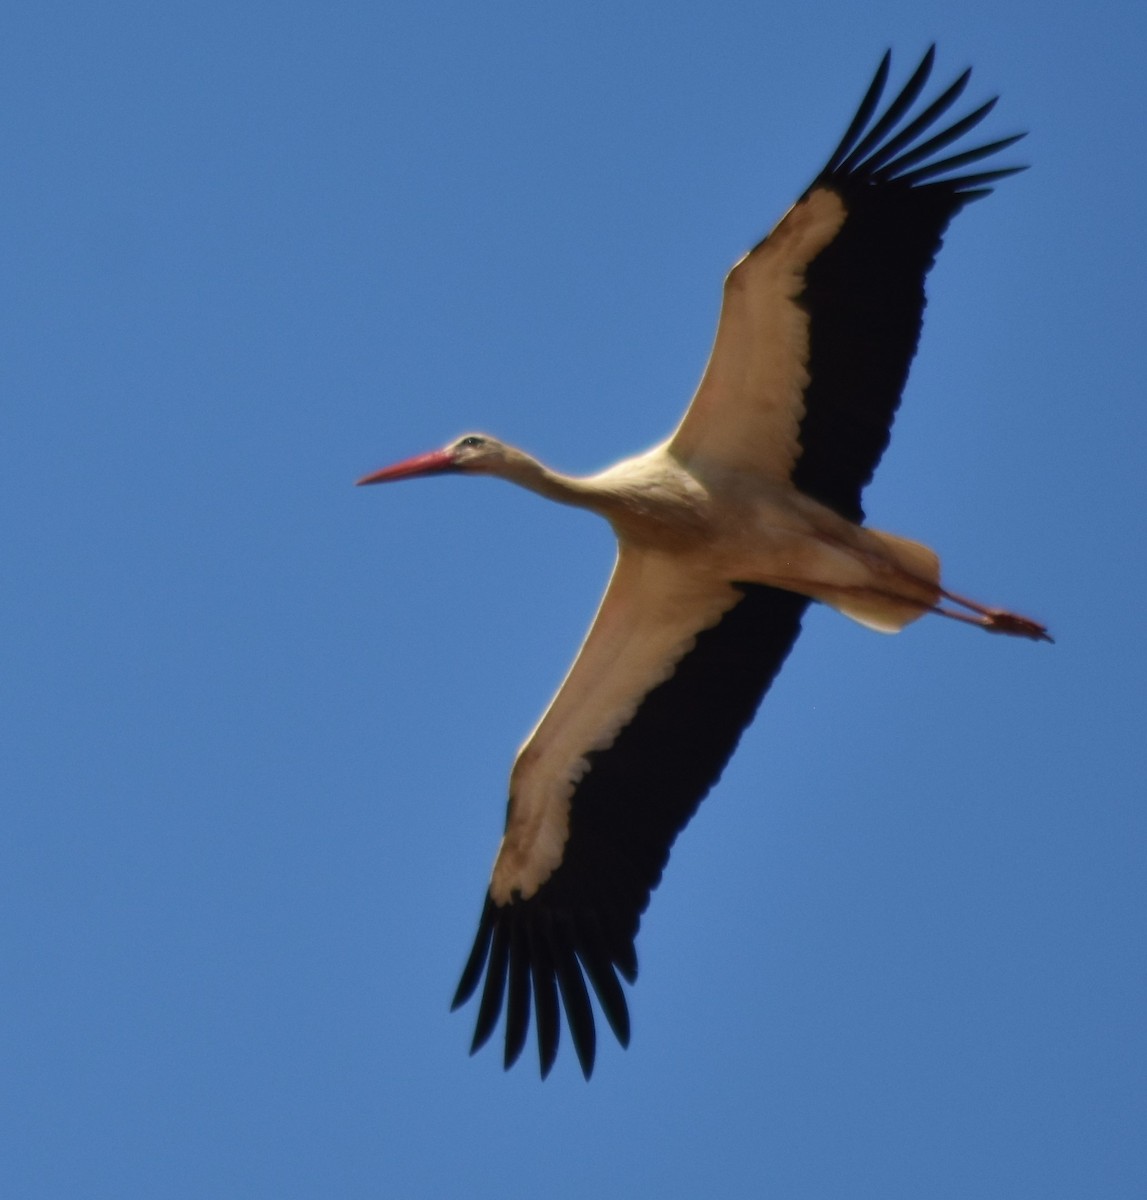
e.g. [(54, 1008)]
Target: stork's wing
[(819, 322), (653, 707)]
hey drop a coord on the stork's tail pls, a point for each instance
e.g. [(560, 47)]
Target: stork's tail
[(913, 585)]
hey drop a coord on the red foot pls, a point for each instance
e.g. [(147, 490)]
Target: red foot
[(996, 620)]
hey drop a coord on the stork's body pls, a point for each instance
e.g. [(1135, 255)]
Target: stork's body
[(722, 524), (725, 531)]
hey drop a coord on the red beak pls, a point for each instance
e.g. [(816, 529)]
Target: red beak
[(433, 463)]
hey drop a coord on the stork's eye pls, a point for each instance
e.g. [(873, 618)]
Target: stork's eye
[(472, 441)]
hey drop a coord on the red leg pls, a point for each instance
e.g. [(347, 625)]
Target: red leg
[(994, 620)]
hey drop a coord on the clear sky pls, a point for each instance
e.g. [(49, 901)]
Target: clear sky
[(257, 723)]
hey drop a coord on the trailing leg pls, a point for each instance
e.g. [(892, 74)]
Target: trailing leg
[(994, 620)]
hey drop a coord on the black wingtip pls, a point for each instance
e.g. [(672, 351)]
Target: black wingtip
[(894, 148), (490, 1006), (517, 997), (546, 1014), (897, 107), (863, 113), (575, 997), (472, 971), (595, 961)]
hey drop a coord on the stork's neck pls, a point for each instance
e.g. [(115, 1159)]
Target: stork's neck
[(649, 498), (520, 468)]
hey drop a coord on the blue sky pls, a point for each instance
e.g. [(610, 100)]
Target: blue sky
[(257, 723)]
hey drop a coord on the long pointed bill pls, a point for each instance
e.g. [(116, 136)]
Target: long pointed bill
[(433, 463)]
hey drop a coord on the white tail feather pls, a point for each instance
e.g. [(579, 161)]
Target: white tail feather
[(889, 611)]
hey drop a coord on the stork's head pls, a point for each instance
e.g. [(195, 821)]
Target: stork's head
[(473, 452)]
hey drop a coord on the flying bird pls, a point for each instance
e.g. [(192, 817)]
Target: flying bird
[(726, 532)]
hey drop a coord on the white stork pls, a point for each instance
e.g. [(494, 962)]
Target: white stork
[(725, 532)]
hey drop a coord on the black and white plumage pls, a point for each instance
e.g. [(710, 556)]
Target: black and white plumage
[(726, 531)]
